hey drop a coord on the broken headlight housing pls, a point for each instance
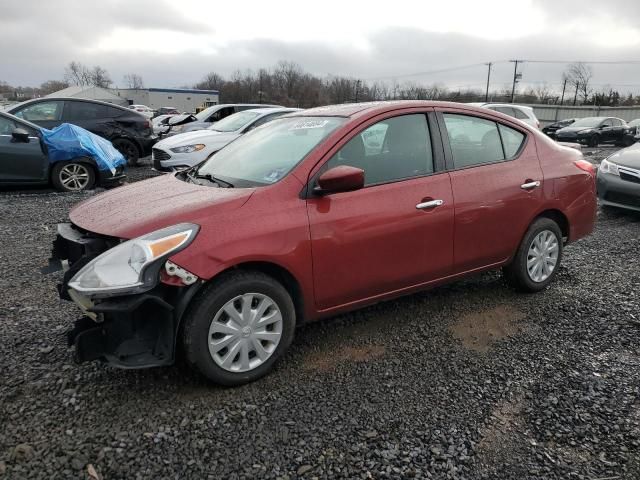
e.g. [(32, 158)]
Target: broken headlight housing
[(134, 265)]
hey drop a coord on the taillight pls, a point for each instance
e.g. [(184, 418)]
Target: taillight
[(147, 124), (586, 166)]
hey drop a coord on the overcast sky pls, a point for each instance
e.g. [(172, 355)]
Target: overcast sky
[(175, 43)]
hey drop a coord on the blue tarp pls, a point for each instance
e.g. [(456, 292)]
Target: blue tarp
[(67, 142)]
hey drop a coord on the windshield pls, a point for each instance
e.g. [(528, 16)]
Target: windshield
[(587, 122), (266, 154), (234, 122)]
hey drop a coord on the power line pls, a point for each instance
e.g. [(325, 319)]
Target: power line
[(430, 72), (603, 62)]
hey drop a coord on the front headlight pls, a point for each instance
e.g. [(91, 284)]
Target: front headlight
[(608, 167), (188, 148), (134, 265)]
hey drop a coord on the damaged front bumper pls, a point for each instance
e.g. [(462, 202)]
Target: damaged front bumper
[(128, 331)]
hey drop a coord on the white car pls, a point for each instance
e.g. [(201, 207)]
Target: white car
[(521, 112), (188, 149), (143, 110)]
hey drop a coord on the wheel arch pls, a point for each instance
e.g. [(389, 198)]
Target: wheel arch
[(557, 216), (129, 139)]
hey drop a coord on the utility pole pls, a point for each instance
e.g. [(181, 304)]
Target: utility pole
[(516, 77), (564, 86), (486, 93)]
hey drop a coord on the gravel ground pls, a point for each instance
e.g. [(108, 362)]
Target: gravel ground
[(466, 381)]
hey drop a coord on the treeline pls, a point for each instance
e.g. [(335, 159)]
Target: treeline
[(288, 84)]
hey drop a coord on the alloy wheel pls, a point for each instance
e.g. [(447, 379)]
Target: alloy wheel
[(245, 332), (542, 256), (74, 177)]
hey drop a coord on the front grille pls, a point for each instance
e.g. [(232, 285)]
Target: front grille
[(160, 154), (629, 178), (623, 198)]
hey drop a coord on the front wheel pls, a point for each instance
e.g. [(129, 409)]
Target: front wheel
[(594, 140), (238, 327), (72, 176), (538, 257)]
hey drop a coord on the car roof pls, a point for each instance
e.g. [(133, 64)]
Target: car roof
[(269, 110), (351, 110), (72, 99)]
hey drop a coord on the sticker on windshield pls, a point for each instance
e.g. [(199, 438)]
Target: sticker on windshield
[(307, 124), (274, 175)]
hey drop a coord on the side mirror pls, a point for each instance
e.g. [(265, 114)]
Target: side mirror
[(340, 179), (20, 135)]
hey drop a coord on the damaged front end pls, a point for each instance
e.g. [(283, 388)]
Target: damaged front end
[(132, 296)]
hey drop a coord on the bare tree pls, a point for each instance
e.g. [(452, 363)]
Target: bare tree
[(77, 74), (100, 77), (579, 76), (133, 80), (211, 81)]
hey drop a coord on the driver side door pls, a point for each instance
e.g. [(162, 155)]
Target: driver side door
[(20, 161), (396, 232)]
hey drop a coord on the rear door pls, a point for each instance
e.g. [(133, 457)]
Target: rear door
[(19, 161), (47, 114), (383, 238), (607, 131), (496, 180)]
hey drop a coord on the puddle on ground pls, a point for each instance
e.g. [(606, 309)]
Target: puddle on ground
[(329, 358), (479, 330)]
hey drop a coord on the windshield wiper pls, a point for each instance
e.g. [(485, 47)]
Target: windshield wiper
[(211, 178)]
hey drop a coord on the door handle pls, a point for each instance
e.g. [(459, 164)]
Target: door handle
[(530, 185), (429, 204)]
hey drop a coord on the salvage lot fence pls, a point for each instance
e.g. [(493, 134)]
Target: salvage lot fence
[(552, 113)]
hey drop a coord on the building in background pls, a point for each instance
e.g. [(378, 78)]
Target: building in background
[(182, 99), (90, 93)]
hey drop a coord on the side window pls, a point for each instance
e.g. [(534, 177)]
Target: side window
[(114, 112), (473, 140), (41, 111), (512, 140), (220, 114), (506, 110), (75, 111), (607, 123), (389, 150), (616, 122), (6, 126), (520, 114)]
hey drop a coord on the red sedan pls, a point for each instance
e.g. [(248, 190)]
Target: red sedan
[(319, 212)]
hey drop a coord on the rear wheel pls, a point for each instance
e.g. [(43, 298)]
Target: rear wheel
[(72, 176), (238, 327), (128, 149), (538, 257)]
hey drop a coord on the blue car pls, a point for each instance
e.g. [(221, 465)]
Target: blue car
[(31, 155)]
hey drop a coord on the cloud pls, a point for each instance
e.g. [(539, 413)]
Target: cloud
[(167, 48)]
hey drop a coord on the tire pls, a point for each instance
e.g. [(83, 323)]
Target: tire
[(128, 149), (215, 344), (594, 140), (518, 275), (73, 176)]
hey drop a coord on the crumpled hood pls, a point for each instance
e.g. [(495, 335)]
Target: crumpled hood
[(199, 136), (627, 157), (142, 207)]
